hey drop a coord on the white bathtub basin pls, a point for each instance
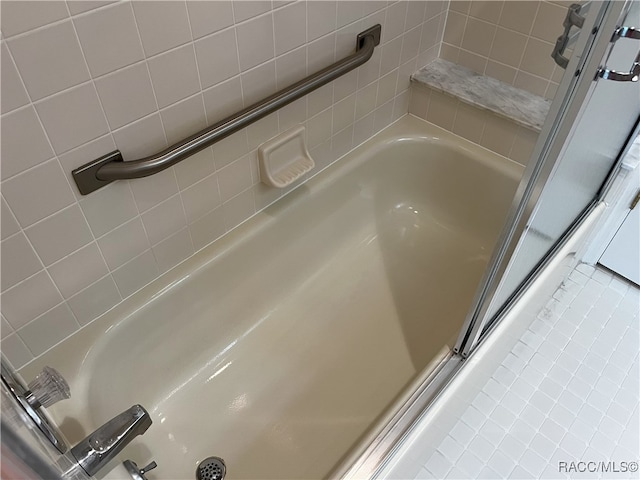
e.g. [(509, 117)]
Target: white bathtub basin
[(277, 347)]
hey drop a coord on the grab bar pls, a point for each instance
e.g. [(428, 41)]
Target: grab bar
[(573, 19), (110, 167)]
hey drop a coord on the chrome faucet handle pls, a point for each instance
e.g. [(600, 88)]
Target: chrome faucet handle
[(99, 447), (47, 388), (138, 473)]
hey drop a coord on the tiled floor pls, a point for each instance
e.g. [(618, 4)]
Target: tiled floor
[(557, 397)]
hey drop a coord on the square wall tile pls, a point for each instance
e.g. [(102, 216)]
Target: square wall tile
[(49, 329), (469, 122), (548, 23), (247, 9), (536, 58), (95, 300), (207, 229), (262, 130), (81, 6), (183, 119), (319, 128), (164, 220), (290, 27), (76, 271), (291, 67), (498, 134), (501, 72), (9, 223), (478, 36), (396, 16), (454, 29), (60, 234), (197, 166), (489, 11), (162, 25), (209, 17), (13, 94), (217, 57), (349, 11), (519, 16), (321, 18), (124, 243), (415, 14), (134, 275), (442, 110), (109, 207), (173, 250), (104, 51), (174, 75), (19, 16), (16, 351), (255, 41), (150, 191), (126, 95), (5, 328), (19, 261), (344, 113), (238, 209), (234, 178), (73, 117), (29, 299), (49, 60), (37, 193), (201, 198), (508, 47), (24, 143), (141, 138), (223, 100), (410, 44), (258, 83)]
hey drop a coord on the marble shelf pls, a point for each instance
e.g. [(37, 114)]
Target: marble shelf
[(520, 106)]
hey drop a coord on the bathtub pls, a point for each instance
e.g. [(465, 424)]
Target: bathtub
[(284, 344)]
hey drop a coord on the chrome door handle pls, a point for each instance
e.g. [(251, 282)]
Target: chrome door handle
[(630, 76), (626, 32), (573, 19)]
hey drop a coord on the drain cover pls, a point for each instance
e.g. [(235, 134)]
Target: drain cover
[(211, 468)]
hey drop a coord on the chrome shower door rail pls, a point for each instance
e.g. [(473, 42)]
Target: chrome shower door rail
[(110, 167)]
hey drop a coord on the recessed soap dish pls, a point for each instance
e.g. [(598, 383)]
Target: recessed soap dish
[(285, 158)]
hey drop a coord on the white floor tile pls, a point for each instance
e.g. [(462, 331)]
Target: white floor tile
[(568, 391)]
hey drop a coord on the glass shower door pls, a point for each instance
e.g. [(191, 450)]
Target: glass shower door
[(576, 156)]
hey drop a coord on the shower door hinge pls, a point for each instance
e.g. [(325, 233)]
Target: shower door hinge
[(635, 201)]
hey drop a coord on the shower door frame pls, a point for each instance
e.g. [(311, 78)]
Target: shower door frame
[(573, 93)]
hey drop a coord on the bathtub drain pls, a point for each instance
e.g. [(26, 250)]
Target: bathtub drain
[(211, 468)]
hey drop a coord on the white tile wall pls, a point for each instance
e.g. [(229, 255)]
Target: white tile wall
[(73, 91), (568, 390)]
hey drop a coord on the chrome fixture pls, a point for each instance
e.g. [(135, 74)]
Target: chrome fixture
[(95, 451), (634, 72), (46, 389), (211, 468), (631, 76), (573, 19), (110, 167), (138, 473), (626, 32)]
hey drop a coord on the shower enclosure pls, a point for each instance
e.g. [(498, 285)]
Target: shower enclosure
[(578, 154)]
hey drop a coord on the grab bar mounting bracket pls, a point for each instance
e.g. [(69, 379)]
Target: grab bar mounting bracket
[(86, 176), (375, 32)]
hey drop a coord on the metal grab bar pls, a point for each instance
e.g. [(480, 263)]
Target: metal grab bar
[(106, 169)]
